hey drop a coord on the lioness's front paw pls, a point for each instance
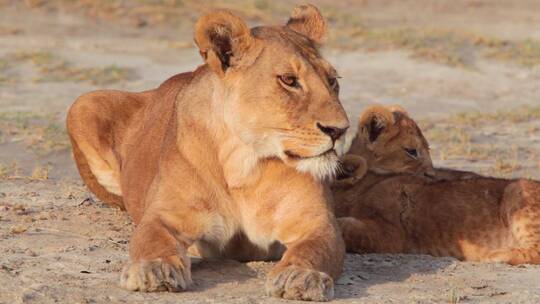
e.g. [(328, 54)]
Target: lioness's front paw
[(172, 274), (295, 283)]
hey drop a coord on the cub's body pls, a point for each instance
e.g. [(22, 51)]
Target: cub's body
[(480, 219), (446, 213)]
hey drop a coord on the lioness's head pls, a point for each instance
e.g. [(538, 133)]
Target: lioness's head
[(392, 142), (279, 95)]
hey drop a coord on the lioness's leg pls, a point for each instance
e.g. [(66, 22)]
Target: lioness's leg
[(158, 246), (315, 250), (314, 256), (158, 259)]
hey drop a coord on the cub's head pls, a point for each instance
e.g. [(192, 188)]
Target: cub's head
[(280, 97), (392, 142)]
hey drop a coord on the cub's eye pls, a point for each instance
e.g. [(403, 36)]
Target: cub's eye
[(411, 152), (289, 80), (333, 83)]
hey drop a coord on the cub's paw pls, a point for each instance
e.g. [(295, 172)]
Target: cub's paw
[(172, 274), (346, 221), (348, 226), (296, 283)]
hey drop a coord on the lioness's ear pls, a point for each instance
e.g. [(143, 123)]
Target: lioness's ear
[(375, 120), (307, 20), (223, 39)]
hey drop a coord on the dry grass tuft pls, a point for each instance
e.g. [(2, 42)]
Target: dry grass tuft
[(14, 171), (52, 68), (172, 13), (492, 141), (97, 76), (449, 47), (445, 47), (40, 172), (40, 133), (4, 67), (8, 171), (517, 115), (525, 53), (455, 297)]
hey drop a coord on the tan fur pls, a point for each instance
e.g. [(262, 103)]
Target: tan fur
[(307, 20), (447, 213), (226, 152)]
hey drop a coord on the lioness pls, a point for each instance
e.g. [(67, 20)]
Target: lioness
[(446, 213), (238, 146)]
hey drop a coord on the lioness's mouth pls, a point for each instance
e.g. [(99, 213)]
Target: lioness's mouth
[(293, 155)]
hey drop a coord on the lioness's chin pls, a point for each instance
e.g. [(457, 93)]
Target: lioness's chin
[(321, 167)]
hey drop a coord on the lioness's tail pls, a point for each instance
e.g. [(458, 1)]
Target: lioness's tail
[(91, 181), (89, 125)]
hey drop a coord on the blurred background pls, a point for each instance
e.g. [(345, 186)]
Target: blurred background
[(468, 70)]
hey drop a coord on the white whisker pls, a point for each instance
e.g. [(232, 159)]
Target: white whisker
[(322, 167)]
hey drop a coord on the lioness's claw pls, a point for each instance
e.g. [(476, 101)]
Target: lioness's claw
[(295, 283), (156, 275)]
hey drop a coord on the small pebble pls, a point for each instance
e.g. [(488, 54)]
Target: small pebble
[(29, 252), (27, 296), (18, 229)]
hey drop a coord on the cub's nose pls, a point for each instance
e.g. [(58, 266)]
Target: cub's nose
[(334, 132)]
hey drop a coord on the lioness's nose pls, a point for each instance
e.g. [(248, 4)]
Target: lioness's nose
[(333, 132)]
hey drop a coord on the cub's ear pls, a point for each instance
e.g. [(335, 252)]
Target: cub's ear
[(223, 39), (398, 109), (307, 20), (398, 112), (375, 120)]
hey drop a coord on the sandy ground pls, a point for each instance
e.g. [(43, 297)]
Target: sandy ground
[(59, 245)]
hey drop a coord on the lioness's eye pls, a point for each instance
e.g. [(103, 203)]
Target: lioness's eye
[(412, 152), (289, 80)]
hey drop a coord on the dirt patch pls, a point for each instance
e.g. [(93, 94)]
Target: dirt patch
[(60, 245)]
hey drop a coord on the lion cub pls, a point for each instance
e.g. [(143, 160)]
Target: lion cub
[(440, 212), (387, 142)]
